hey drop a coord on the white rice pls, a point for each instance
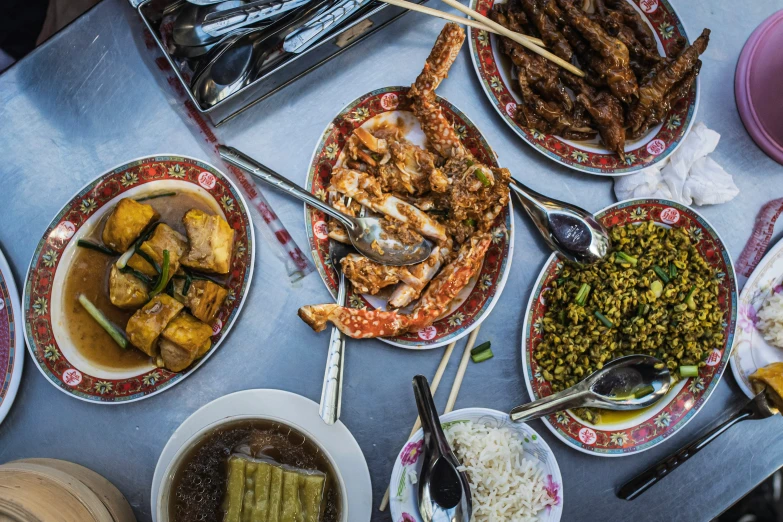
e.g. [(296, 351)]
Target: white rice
[(504, 485), (770, 322)]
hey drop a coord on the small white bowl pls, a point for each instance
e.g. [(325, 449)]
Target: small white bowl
[(403, 493)]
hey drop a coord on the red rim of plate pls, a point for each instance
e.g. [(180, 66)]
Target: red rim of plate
[(614, 442), (41, 342), (651, 150), (11, 344), (745, 106), (497, 261)]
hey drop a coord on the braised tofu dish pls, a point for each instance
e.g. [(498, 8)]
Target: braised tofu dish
[(163, 262)]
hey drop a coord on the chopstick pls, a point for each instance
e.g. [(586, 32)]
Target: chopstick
[(520, 39), (456, 19), (444, 361), (463, 365)]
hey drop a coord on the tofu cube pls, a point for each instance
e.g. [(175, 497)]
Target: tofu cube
[(164, 238), (145, 326), (184, 340), (126, 290), (211, 242), (204, 299), (126, 223)]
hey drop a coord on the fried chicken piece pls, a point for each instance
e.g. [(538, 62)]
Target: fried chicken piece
[(654, 91), (614, 65), (553, 39), (605, 109)]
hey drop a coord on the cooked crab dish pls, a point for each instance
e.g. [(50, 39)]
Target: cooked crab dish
[(441, 192), (628, 87), (149, 284)]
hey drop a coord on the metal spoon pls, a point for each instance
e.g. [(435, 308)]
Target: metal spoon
[(444, 492), (366, 234), (627, 383), (758, 408), (571, 231), (188, 25), (332, 390)]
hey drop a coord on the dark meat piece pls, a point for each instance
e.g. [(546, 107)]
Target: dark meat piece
[(633, 19), (614, 24), (653, 92), (606, 110), (554, 40), (615, 61)]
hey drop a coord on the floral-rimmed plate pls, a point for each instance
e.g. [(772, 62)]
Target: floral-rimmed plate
[(475, 302), (635, 432), (403, 489), (751, 351), (48, 341), (11, 339), (592, 157)]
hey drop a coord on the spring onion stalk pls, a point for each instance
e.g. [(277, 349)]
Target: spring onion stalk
[(657, 288), (482, 177), (481, 352), (660, 272), (470, 222), (116, 334), (643, 392), (689, 371), (581, 296), (186, 286), (470, 163), (601, 317), (124, 258), (689, 299), (672, 270), (622, 257), (144, 278), (146, 257), (156, 196), (163, 279), (94, 246)]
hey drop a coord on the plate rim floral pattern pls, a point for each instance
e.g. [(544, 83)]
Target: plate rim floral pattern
[(492, 277), (408, 457), (618, 442), (106, 187), (10, 307), (744, 340), (667, 26)]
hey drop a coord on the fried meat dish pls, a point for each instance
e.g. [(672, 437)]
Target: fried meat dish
[(628, 88), (442, 193)]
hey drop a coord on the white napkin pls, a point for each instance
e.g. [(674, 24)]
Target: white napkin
[(687, 176)]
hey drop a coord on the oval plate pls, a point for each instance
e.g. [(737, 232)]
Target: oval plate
[(54, 355), (404, 496), (289, 408), (474, 302), (11, 343), (751, 351), (652, 426), (494, 71)]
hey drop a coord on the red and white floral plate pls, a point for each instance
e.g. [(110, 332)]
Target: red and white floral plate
[(11, 343), (654, 425), (592, 157), (476, 301), (48, 342)]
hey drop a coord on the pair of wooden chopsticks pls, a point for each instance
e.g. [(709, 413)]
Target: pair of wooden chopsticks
[(483, 23), (463, 366)]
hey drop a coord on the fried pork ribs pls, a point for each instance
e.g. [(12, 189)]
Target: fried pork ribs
[(629, 87)]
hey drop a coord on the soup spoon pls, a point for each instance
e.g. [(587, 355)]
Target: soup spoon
[(569, 230), (366, 234), (627, 383), (444, 492)]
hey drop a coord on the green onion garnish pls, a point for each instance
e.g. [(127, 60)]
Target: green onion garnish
[(481, 352), (146, 257), (601, 317), (689, 299), (689, 371), (643, 392), (470, 222), (94, 246), (661, 273), (482, 178), (144, 278), (581, 296), (163, 279), (470, 163), (155, 196), (672, 271), (622, 257), (115, 333), (186, 286)]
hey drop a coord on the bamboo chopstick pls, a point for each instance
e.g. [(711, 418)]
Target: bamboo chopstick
[(524, 42), (434, 387), (453, 18)]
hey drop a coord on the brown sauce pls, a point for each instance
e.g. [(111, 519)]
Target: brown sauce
[(199, 482), (89, 275)]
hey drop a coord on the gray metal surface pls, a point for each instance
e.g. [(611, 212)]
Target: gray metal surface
[(92, 98)]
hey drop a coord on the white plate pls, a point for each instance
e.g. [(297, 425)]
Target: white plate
[(403, 493), (11, 338), (751, 351), (299, 412)]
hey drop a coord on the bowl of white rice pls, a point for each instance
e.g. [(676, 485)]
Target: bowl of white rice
[(512, 472)]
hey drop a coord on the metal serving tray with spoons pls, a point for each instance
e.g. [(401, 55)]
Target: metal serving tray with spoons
[(355, 28)]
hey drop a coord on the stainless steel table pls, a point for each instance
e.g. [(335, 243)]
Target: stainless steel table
[(92, 98)]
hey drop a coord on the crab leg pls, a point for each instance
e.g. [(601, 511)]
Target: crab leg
[(421, 274), (356, 323), (365, 189)]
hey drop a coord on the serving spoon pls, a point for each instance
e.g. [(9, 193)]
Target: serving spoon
[(569, 230), (366, 234), (444, 491), (627, 383)]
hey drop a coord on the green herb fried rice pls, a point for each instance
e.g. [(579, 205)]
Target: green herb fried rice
[(654, 295)]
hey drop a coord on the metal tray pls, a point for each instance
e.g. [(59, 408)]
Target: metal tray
[(367, 21)]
